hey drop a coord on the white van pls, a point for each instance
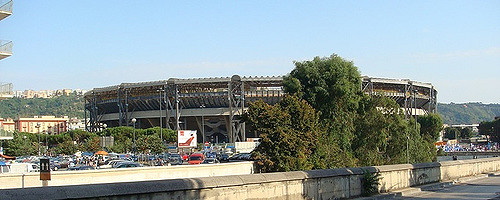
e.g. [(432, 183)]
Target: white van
[(23, 168)]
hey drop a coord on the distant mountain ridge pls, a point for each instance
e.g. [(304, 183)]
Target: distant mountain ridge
[(73, 106), (467, 113)]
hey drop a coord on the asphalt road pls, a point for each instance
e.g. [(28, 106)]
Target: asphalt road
[(483, 188)]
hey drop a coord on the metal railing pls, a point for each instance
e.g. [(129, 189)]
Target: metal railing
[(6, 7), (6, 46)]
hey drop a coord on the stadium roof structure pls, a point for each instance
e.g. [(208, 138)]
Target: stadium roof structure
[(164, 102)]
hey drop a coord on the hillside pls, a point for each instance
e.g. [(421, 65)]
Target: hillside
[(468, 113), (71, 106)]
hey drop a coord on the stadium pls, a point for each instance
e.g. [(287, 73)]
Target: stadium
[(213, 106)]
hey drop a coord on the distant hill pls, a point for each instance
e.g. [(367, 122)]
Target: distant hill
[(468, 113), (71, 106)]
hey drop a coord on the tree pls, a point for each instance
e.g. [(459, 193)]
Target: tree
[(66, 148), (451, 133), (290, 132), (332, 86), (466, 133), (21, 144), (492, 129), (384, 136), (91, 144), (430, 126)]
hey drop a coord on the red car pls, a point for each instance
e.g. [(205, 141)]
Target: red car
[(196, 158)]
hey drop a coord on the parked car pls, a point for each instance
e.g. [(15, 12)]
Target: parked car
[(112, 164), (210, 161), (175, 159), (128, 165), (224, 157), (83, 167), (196, 158)]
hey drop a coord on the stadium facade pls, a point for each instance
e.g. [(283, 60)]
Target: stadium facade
[(214, 106)]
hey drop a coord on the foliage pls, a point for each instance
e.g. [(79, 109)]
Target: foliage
[(492, 129), (150, 144), (148, 140), (430, 126), (466, 133), (468, 113), (22, 144), (67, 148), (370, 183), (71, 105), (383, 135), (451, 133), (330, 85), (91, 144), (290, 131)]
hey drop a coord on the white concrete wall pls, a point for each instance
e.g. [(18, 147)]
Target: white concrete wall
[(126, 174), (315, 184)]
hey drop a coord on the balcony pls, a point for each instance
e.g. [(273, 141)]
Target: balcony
[(5, 49), (5, 9)]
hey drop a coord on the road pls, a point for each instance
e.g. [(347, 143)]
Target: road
[(483, 188)]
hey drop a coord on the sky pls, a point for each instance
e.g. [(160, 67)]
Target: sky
[(454, 45)]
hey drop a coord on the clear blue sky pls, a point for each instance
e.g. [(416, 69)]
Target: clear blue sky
[(455, 45)]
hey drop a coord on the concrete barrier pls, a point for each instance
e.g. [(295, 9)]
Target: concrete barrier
[(314, 184), (126, 174)]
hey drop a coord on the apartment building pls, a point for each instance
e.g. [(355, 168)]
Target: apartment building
[(42, 124)]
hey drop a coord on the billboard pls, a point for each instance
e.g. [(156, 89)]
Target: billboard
[(186, 138)]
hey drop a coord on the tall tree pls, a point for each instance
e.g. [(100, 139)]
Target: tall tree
[(384, 136), (290, 133), (466, 133), (492, 129), (430, 126), (332, 86), (451, 133)]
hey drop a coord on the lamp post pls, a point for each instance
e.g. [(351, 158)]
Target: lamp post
[(133, 122), (38, 127), (161, 117), (203, 123)]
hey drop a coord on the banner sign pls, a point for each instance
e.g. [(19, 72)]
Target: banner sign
[(186, 138)]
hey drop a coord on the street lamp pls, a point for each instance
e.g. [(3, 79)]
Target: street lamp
[(38, 127), (161, 117), (133, 122), (202, 123)]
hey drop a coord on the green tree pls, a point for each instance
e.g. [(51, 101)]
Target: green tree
[(91, 144), (466, 133), (492, 129), (290, 132), (451, 133), (21, 144), (67, 148), (430, 126), (384, 136), (150, 144), (332, 86)]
